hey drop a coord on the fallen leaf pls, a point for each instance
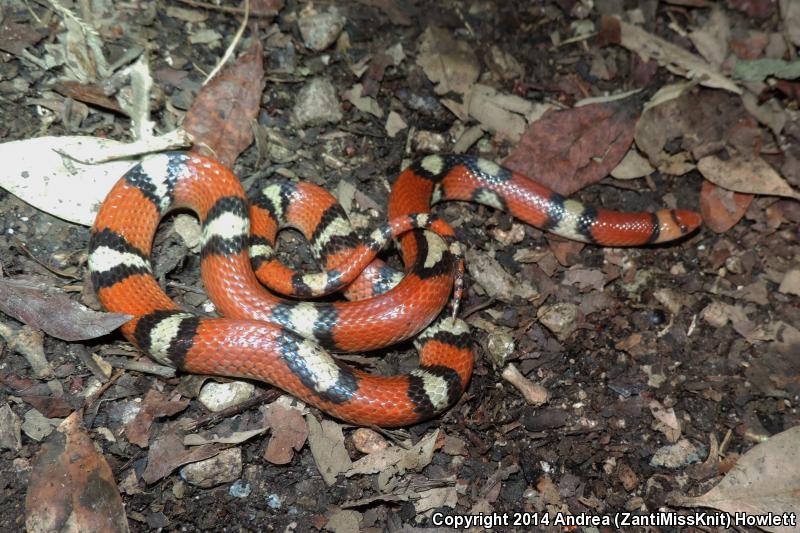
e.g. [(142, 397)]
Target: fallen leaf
[(503, 113), (220, 117), (721, 208), (10, 435), (791, 283), (14, 37), (396, 459), (326, 442), (71, 486), (665, 421), (764, 483), (344, 521), (712, 39), (398, 12), (585, 278), (495, 280), (289, 433), (167, 453), (41, 396), (237, 437), (154, 405), (761, 69), (674, 58), (90, 93), (435, 499), (366, 104), (701, 119), (737, 174), (53, 312), (367, 440), (450, 64), (632, 166), (568, 150), (36, 171), (790, 13)]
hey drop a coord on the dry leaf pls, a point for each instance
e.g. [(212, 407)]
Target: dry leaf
[(289, 433), (326, 442), (722, 208), (568, 150), (665, 421), (764, 483), (154, 405), (397, 459), (35, 171), (495, 280), (503, 113), (448, 63), (71, 486), (676, 59), (712, 39), (754, 176), (52, 311), (220, 117), (167, 453)]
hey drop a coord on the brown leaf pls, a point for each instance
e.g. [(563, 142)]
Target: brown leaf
[(703, 120), (764, 483), (398, 12), (89, 93), (449, 63), (71, 487), (289, 433), (52, 311), (722, 208), (738, 174), (168, 453), (220, 117), (153, 406), (326, 442), (14, 38), (568, 150)]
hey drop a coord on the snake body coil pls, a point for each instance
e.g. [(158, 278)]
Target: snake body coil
[(285, 342)]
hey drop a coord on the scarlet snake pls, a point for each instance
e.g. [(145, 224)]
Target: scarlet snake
[(284, 342)]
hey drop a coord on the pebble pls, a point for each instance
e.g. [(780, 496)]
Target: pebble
[(317, 103), (560, 318), (239, 489), (222, 468), (676, 455), (320, 30), (218, 396), (366, 440)]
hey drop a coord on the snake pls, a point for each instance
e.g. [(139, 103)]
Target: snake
[(272, 329)]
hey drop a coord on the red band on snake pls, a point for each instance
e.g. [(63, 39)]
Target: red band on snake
[(285, 342)]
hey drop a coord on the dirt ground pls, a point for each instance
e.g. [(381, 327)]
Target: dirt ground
[(658, 368)]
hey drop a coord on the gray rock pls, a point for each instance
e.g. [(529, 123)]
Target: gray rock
[(320, 30), (317, 103)]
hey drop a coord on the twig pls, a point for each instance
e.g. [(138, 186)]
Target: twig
[(265, 397), (236, 38), (227, 9), (141, 365), (102, 390)]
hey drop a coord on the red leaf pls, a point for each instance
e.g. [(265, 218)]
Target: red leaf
[(221, 115), (568, 150), (722, 208), (71, 487)]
